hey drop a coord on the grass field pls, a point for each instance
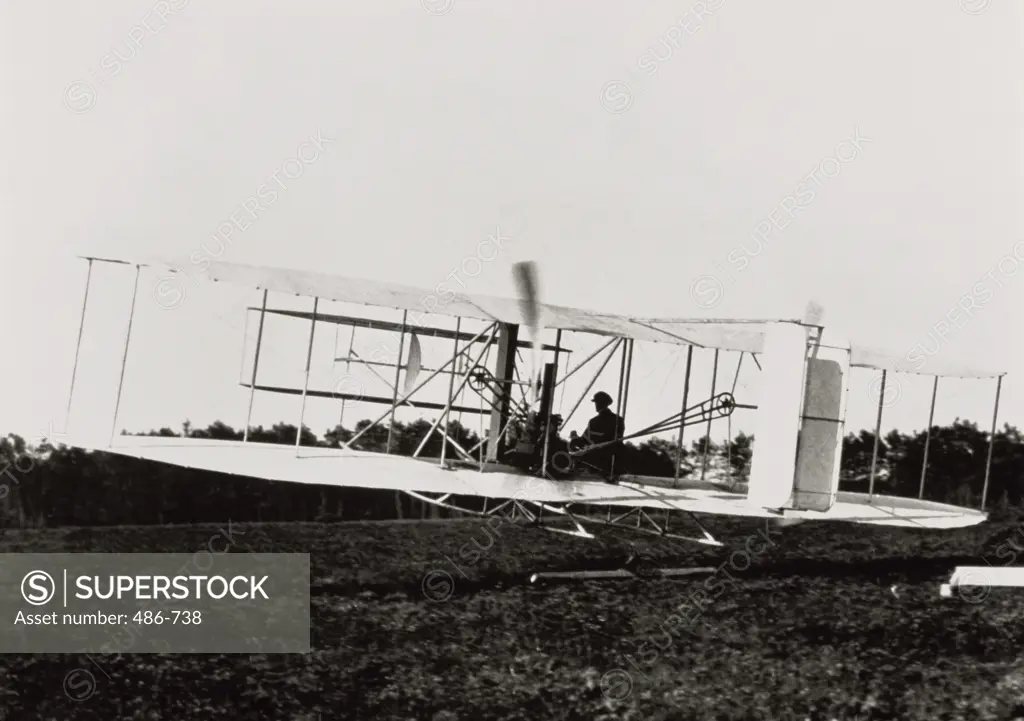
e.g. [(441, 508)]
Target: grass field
[(438, 621)]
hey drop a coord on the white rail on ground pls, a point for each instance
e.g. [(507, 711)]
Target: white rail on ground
[(618, 573), (989, 576)]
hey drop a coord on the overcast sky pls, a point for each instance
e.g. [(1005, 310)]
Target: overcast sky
[(733, 158)]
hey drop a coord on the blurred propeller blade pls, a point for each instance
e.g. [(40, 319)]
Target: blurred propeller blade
[(414, 365), (813, 314), (528, 290)]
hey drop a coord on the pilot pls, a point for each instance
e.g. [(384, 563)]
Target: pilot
[(556, 446), (603, 427)]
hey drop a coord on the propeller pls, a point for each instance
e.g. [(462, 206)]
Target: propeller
[(412, 370), (528, 291), (813, 313)]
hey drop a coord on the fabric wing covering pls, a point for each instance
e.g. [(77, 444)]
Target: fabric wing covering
[(728, 337)]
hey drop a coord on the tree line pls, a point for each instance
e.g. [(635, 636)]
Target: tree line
[(47, 485)]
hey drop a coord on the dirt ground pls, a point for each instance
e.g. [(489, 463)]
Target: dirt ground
[(440, 621)]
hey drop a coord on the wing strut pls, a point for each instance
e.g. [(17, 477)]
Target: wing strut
[(611, 354), (398, 373), (78, 344), (682, 412), (928, 437), (446, 414), (124, 357), (422, 383), (255, 364), (385, 381), (493, 328), (305, 382), (878, 430), (707, 433), (991, 442)]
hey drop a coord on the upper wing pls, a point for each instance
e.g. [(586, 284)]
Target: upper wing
[(728, 336), (862, 357), (480, 307)]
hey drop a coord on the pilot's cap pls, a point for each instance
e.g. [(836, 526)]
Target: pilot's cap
[(602, 397)]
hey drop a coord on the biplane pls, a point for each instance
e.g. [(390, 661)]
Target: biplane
[(521, 467)]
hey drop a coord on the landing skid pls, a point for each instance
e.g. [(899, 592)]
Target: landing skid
[(655, 529), (513, 508)]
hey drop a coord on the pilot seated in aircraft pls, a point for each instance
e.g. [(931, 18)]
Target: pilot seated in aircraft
[(557, 445), (605, 426), (526, 443)]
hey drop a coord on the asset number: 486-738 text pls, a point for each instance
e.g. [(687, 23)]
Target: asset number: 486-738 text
[(185, 618)]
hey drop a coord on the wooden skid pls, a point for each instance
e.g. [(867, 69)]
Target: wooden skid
[(513, 508), (983, 577), (618, 574)]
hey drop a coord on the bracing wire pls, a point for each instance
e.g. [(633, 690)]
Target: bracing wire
[(678, 353)]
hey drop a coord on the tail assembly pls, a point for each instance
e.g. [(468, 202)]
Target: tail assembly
[(800, 417)]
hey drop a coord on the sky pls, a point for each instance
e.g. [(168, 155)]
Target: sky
[(725, 158)]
